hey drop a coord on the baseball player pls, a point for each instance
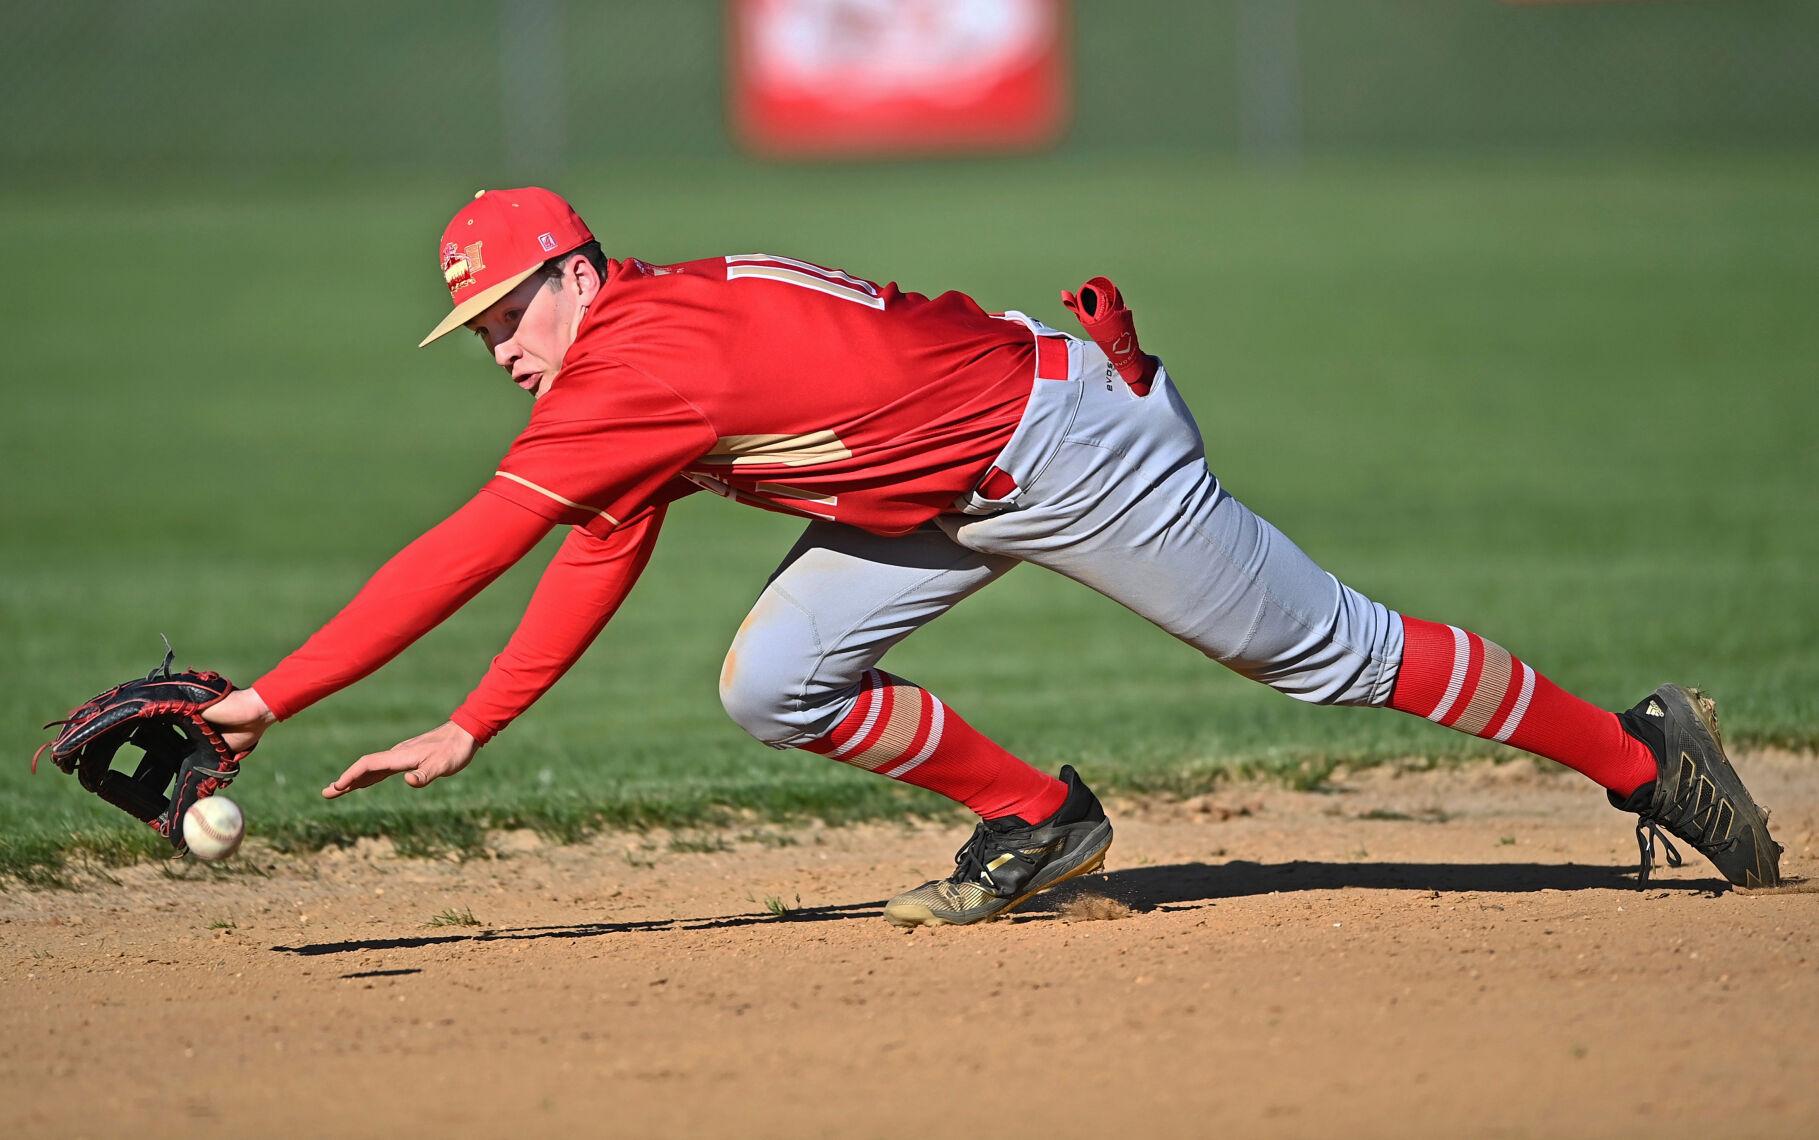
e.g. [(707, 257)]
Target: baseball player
[(931, 447)]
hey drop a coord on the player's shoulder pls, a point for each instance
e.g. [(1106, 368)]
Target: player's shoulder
[(633, 272), (637, 274)]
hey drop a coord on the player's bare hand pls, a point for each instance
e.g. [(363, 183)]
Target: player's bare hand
[(440, 752), (242, 717)]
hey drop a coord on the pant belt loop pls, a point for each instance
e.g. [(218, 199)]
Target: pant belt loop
[(1051, 358)]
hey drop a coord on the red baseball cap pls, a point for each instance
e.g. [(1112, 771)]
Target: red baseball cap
[(496, 241)]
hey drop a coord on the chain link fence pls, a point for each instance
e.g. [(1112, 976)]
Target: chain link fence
[(522, 88)]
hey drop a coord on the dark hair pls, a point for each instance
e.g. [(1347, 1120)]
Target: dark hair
[(552, 269)]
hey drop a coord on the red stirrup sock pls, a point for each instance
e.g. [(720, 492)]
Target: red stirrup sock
[(900, 730), (1465, 682)]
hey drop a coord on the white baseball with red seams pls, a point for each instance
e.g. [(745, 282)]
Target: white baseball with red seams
[(213, 828)]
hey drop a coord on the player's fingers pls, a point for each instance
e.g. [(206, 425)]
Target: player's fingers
[(433, 767), (367, 771)]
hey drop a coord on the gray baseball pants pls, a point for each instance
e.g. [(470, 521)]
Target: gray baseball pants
[(1112, 491)]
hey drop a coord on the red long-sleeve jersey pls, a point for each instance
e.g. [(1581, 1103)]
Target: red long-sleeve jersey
[(771, 381)]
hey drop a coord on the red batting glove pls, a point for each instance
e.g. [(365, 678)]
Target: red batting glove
[(1101, 312)]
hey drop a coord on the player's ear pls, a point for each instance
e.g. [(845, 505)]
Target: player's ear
[(585, 276)]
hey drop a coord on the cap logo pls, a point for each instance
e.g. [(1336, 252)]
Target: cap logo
[(548, 242), (459, 265)]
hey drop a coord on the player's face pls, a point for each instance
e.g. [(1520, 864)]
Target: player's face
[(528, 331)]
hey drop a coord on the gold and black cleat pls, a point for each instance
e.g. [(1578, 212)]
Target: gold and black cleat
[(1008, 860), (1696, 795)]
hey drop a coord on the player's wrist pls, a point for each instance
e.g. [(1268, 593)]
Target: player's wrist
[(275, 697), (255, 708), (241, 709), (477, 731)]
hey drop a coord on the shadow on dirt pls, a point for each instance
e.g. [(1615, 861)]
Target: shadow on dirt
[(1179, 884), (871, 909)]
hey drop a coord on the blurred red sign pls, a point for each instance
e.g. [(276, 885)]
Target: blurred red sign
[(895, 76)]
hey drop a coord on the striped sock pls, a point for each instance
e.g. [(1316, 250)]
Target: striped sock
[(1467, 683), (900, 730)]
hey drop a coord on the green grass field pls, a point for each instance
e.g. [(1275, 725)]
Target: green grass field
[(1569, 403)]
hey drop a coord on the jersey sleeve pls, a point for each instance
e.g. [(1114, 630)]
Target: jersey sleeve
[(410, 595), (604, 443), (577, 595)]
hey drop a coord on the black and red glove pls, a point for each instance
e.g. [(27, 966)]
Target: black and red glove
[(185, 758)]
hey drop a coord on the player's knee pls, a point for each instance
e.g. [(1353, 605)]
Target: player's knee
[(754, 701), (1348, 659), (782, 713)]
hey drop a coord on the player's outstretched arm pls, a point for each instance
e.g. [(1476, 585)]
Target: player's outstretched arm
[(579, 593), (442, 751), (415, 591), (577, 596)]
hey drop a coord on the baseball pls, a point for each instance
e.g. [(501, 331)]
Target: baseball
[(213, 827)]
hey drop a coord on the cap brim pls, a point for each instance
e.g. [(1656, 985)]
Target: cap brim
[(479, 303)]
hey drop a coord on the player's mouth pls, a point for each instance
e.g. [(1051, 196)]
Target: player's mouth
[(528, 381)]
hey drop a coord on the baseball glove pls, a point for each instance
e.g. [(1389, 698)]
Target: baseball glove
[(184, 759)]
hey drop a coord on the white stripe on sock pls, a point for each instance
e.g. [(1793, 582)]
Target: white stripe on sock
[(1515, 718), (873, 682), (935, 718), (1462, 660)]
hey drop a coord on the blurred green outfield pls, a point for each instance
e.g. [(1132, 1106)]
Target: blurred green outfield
[(1567, 402)]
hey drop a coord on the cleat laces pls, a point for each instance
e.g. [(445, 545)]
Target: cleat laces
[(972, 863), (1681, 819), (1645, 846)]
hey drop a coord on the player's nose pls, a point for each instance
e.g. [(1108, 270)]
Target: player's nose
[(507, 352)]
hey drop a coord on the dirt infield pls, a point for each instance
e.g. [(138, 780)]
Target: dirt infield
[(1456, 953)]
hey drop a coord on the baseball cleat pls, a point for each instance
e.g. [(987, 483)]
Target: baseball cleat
[(1007, 860), (1696, 794)]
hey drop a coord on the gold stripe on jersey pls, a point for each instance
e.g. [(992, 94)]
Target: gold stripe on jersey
[(807, 267), (545, 491), (806, 281), (805, 450), (786, 492)]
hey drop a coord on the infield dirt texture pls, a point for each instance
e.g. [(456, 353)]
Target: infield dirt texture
[(1569, 403), (1441, 954)]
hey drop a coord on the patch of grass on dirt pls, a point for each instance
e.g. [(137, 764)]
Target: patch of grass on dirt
[(421, 828), (1423, 815), (47, 859), (777, 907), (452, 917), (701, 843), (764, 837)]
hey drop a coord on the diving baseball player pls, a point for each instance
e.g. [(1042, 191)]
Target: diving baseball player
[(931, 446)]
